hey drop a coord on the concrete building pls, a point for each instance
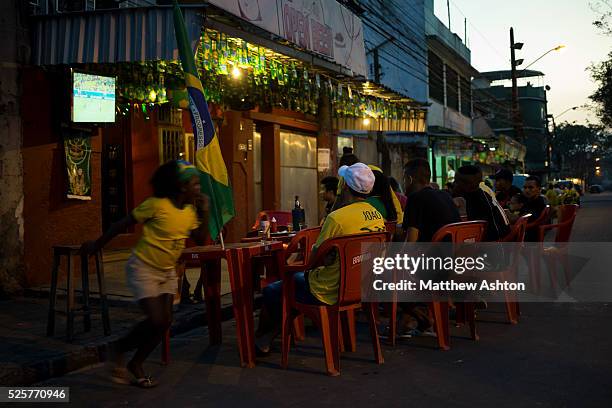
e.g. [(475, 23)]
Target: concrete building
[(495, 90), (449, 120), (394, 36)]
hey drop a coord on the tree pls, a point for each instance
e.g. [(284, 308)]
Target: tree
[(602, 72), (603, 9), (576, 148), (602, 97)]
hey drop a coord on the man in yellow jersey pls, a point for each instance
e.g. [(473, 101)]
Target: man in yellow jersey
[(320, 286)]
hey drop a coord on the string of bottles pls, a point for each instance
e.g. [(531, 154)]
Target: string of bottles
[(238, 74)]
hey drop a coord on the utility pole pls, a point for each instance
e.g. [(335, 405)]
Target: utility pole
[(376, 67), (516, 113)]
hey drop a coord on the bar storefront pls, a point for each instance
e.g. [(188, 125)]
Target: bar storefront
[(276, 107)]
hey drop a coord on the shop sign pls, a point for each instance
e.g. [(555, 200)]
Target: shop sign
[(321, 26)]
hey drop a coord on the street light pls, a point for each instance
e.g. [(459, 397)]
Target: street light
[(557, 48), (565, 111)]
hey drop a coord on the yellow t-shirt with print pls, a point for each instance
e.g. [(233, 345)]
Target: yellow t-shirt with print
[(355, 218), (165, 230)]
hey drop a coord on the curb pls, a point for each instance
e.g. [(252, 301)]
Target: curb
[(95, 353)]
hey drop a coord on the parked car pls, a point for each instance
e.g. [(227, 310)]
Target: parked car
[(595, 189)]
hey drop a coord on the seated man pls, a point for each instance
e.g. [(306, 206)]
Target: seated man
[(479, 204), (320, 286), (328, 193), (504, 189), (515, 208), (427, 210), (536, 203)]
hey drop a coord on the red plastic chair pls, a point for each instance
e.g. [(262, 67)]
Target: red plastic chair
[(327, 318), (460, 232), (517, 234), (283, 218), (532, 234), (541, 220), (301, 246), (566, 215)]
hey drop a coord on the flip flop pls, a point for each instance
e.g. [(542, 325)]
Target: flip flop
[(145, 382)]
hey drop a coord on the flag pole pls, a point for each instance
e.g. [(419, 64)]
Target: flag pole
[(217, 216), (192, 80)]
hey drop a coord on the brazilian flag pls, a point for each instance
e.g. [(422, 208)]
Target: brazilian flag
[(209, 161)]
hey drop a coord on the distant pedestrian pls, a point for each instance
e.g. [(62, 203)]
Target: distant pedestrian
[(177, 210)]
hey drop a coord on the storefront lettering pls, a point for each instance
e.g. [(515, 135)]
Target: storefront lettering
[(322, 38), (300, 28), (297, 28)]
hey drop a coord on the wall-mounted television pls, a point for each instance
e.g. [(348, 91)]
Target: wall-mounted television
[(93, 98)]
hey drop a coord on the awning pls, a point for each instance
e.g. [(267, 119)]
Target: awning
[(109, 36)]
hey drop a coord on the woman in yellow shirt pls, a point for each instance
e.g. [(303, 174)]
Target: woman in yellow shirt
[(177, 210)]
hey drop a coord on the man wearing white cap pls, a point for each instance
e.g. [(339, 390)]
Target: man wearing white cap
[(357, 217), (320, 286)]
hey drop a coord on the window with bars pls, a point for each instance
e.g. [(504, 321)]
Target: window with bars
[(466, 96), (171, 144), (436, 82), (170, 116), (452, 88)]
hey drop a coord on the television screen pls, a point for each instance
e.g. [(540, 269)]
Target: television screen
[(93, 98)]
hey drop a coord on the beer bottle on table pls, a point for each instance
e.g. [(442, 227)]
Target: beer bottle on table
[(297, 215), (264, 227)]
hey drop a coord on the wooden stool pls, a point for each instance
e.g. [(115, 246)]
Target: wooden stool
[(70, 251)]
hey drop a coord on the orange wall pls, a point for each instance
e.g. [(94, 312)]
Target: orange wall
[(49, 217)]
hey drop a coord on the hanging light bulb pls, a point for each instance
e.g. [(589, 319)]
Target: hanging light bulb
[(236, 73), (366, 121)]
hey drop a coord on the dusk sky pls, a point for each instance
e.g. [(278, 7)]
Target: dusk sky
[(541, 25)]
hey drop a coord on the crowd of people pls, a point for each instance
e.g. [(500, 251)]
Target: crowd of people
[(361, 199)]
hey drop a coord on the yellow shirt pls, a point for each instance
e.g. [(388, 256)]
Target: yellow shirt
[(552, 197), (165, 230), (355, 218)]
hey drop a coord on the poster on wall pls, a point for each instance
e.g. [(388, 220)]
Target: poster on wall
[(77, 152), (323, 160)]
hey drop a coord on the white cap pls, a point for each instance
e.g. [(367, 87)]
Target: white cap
[(359, 177)]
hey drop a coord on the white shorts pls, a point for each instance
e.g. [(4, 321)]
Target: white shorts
[(146, 281)]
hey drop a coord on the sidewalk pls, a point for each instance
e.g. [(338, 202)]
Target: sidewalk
[(27, 355)]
